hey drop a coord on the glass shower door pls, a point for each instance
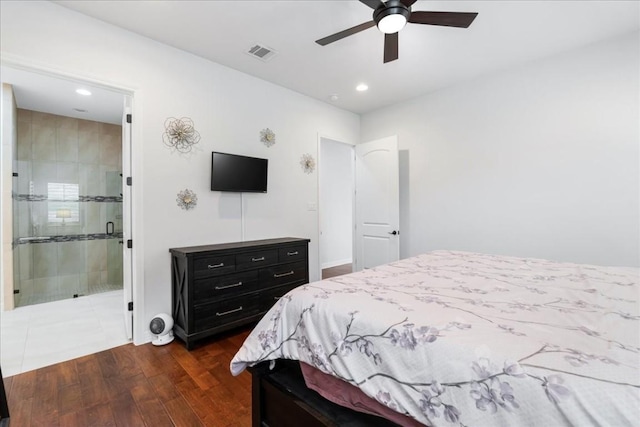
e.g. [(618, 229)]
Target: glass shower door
[(113, 230)]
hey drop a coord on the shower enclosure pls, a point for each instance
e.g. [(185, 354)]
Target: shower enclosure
[(67, 225)]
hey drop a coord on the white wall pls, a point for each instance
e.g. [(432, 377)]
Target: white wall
[(538, 161), (228, 109), (336, 203)]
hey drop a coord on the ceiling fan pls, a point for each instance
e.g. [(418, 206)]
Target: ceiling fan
[(391, 17)]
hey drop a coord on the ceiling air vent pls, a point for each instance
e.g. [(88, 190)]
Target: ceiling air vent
[(261, 52)]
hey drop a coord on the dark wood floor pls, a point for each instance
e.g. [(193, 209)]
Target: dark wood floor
[(336, 271), (140, 386), (137, 386)]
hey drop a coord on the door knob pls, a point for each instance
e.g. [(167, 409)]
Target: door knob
[(394, 232)]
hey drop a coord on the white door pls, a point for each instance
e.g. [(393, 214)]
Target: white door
[(127, 264), (377, 235)]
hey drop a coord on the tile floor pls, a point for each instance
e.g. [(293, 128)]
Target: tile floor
[(35, 336)]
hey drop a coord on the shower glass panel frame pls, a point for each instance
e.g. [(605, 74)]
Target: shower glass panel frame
[(67, 208)]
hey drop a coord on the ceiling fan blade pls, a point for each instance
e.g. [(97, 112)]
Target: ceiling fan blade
[(408, 3), (373, 4), (345, 33), (390, 47), (446, 19)]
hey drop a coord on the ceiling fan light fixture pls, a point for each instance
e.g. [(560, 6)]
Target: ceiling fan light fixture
[(391, 17), (392, 23)]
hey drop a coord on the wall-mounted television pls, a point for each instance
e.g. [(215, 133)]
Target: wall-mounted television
[(231, 172)]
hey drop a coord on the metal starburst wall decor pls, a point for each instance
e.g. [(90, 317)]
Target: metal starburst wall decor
[(187, 199), (267, 137), (180, 134), (308, 163)]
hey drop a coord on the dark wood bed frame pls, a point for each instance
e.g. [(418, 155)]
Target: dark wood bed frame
[(280, 398)]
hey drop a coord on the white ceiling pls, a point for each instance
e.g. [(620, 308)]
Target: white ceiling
[(42, 92), (504, 34)]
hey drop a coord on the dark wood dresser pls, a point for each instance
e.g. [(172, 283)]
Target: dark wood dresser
[(219, 287)]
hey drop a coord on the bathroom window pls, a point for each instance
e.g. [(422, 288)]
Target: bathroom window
[(63, 207)]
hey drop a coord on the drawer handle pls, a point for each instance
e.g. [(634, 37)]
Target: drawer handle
[(257, 259), (224, 313), (215, 266), (289, 273), (292, 253), (219, 288)]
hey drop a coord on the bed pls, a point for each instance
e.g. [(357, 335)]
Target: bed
[(454, 338)]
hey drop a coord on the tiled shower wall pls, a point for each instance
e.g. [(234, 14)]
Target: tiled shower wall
[(68, 187)]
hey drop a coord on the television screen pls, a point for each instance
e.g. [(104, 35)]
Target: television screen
[(230, 172)]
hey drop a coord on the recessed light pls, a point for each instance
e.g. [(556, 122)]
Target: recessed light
[(83, 92), (362, 87)]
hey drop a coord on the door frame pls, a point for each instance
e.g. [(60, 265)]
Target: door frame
[(127, 200), (136, 278), (353, 201)]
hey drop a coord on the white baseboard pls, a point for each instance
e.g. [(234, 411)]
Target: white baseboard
[(330, 264)]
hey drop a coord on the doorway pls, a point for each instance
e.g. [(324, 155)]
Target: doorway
[(69, 209), (336, 185)]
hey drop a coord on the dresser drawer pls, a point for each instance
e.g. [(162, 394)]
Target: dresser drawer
[(271, 296), (256, 259), (283, 274), (222, 312), (292, 253), (214, 265), (217, 287), (221, 287)]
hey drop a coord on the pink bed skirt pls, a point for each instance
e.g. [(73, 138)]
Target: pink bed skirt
[(349, 396)]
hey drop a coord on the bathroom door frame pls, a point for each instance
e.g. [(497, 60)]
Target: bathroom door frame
[(127, 264), (133, 276)]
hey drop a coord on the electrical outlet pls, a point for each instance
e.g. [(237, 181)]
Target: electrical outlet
[(311, 206)]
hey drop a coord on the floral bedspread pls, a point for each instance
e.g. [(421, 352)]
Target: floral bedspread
[(466, 339)]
